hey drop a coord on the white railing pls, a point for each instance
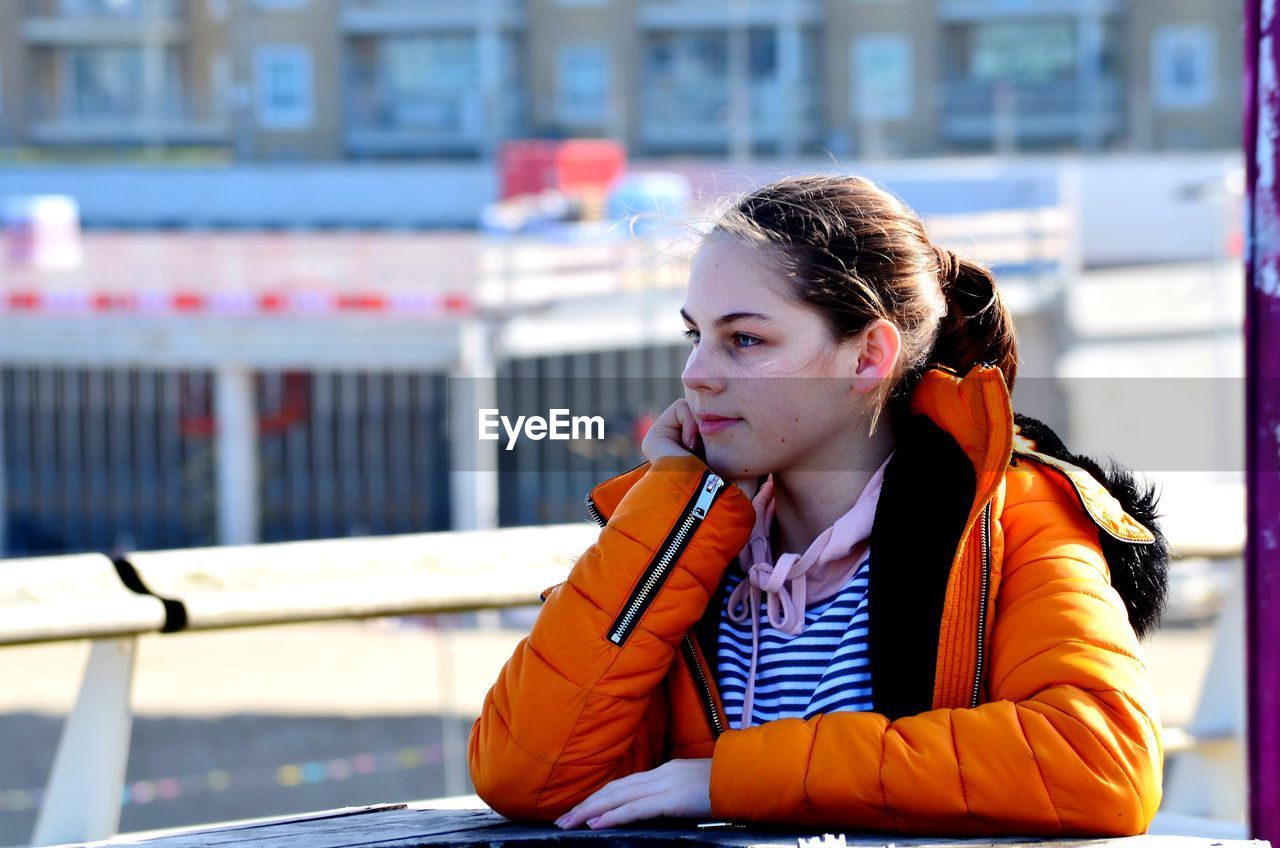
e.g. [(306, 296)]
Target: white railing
[(112, 603)]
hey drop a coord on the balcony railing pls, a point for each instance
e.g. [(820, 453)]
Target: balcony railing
[(450, 119), (711, 13), (973, 110), (200, 119), (987, 10), (700, 114), (98, 22), (369, 17)]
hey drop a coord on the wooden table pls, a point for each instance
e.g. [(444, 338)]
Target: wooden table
[(463, 821)]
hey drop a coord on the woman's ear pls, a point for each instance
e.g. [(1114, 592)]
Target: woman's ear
[(876, 355)]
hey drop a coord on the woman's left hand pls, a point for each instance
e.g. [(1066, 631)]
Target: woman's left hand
[(677, 788)]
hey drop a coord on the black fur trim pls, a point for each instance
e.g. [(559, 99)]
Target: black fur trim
[(1139, 572)]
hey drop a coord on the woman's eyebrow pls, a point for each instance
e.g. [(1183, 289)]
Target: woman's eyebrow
[(730, 317)]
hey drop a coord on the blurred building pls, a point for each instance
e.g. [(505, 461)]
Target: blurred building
[(273, 80)]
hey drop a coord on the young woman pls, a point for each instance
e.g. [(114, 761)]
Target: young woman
[(849, 587)]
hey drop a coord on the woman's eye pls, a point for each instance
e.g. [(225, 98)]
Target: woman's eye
[(742, 339)]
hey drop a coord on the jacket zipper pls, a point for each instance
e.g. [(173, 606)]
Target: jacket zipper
[(982, 602), (655, 574), (591, 504), (708, 702), (595, 511)]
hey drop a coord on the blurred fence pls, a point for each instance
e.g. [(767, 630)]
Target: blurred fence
[(109, 459), (97, 458)]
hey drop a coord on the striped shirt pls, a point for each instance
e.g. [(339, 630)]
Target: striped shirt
[(825, 668)]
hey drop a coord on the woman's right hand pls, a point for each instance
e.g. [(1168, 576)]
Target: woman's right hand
[(675, 433)]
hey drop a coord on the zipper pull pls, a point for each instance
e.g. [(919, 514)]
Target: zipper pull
[(713, 485)]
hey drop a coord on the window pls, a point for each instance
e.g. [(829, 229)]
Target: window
[(272, 5), (882, 77), (582, 84), (431, 82), (220, 79), (282, 75), (685, 55), (1183, 64), (104, 81), (109, 83), (762, 53), (1022, 52)]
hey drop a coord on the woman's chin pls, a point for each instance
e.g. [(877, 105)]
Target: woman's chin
[(731, 464)]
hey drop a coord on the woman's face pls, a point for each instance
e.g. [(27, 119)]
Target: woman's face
[(766, 361)]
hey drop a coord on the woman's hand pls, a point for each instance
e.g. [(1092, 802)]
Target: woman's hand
[(675, 433), (676, 789)]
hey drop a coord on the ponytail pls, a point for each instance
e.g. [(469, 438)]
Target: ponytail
[(977, 327)]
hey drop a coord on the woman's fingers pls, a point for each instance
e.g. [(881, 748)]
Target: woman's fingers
[(675, 788), (649, 807), (610, 796), (674, 433), (688, 426), (689, 430)]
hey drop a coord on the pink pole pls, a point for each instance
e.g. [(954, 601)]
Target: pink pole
[(1262, 416)]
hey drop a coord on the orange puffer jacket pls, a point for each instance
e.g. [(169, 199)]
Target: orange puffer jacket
[(1010, 585)]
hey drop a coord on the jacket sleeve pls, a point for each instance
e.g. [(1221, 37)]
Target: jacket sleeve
[(571, 710), (1068, 744)]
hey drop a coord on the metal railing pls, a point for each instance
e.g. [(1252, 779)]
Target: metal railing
[(105, 9), (974, 109), (698, 111), (126, 115), (111, 458), (391, 16)]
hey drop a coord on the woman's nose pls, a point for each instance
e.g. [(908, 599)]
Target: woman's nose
[(701, 373)]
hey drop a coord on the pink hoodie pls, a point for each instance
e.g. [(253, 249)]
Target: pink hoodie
[(798, 580)]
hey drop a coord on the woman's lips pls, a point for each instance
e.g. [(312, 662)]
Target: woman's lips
[(712, 425)]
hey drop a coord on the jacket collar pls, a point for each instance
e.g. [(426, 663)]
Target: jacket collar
[(976, 411)]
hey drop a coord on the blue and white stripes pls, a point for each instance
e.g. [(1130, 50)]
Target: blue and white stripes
[(825, 668)]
